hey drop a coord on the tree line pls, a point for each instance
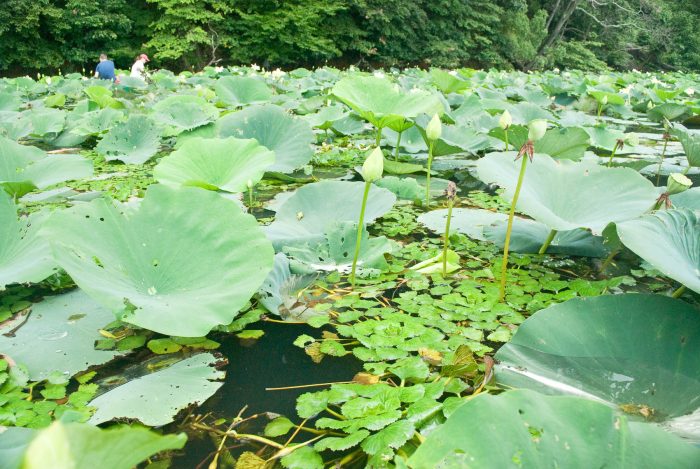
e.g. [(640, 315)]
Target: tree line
[(46, 35)]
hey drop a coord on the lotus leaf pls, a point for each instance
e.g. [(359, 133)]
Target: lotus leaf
[(564, 143), (669, 111), (528, 430), (180, 263), (691, 144), (272, 127), (669, 240), (565, 195), (84, 446), (380, 102), (468, 221), (336, 252), (134, 141), (240, 91), (306, 216), (24, 256), (154, 399), (636, 351), (528, 236), (184, 112), (688, 199), (47, 121), (24, 168), (447, 82), (214, 163)]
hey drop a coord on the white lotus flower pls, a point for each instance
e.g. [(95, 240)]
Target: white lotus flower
[(255, 67)]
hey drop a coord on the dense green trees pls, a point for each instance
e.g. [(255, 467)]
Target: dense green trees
[(43, 35)]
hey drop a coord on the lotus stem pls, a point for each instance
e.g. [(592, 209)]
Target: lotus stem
[(379, 137), (505, 131), (398, 144), (609, 259), (548, 241), (663, 155), (679, 292), (511, 215), (427, 182), (360, 227), (450, 204), (612, 155), (250, 197)]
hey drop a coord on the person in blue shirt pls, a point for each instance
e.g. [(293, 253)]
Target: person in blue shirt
[(105, 69)]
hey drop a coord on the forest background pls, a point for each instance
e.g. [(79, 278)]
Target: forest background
[(47, 35)]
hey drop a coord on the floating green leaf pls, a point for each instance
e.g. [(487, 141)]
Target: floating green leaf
[(154, 399), (240, 91), (134, 141), (529, 430), (183, 112)]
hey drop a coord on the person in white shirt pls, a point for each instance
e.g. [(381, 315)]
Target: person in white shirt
[(138, 70)]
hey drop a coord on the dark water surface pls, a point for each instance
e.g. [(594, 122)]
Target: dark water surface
[(271, 361)]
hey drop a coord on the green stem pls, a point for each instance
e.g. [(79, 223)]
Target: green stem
[(379, 137), (612, 155), (548, 241), (360, 227), (506, 133), (679, 292), (511, 215), (450, 203), (663, 155), (427, 182), (398, 144), (250, 197), (609, 259)]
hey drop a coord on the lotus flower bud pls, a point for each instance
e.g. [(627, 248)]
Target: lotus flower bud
[(537, 129), (506, 120), (249, 183), (373, 167), (678, 183), (434, 128), (451, 191), (632, 139)]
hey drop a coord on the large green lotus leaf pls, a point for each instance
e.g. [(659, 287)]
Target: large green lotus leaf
[(325, 118), (381, 103), (565, 195), (404, 188), (84, 446), (184, 112), (307, 215), (14, 125), (9, 101), (214, 163), (454, 138), (669, 111), (24, 256), (447, 82), (602, 137), (528, 236), (288, 137), (183, 261), (134, 141), (24, 168), (336, 251), (669, 240), (691, 144), (529, 430), (524, 113), (13, 444), (627, 350), (47, 121), (154, 399), (564, 143), (59, 335), (468, 221), (240, 91), (688, 199), (97, 122)]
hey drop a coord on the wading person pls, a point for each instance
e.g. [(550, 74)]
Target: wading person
[(138, 70), (105, 69)]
